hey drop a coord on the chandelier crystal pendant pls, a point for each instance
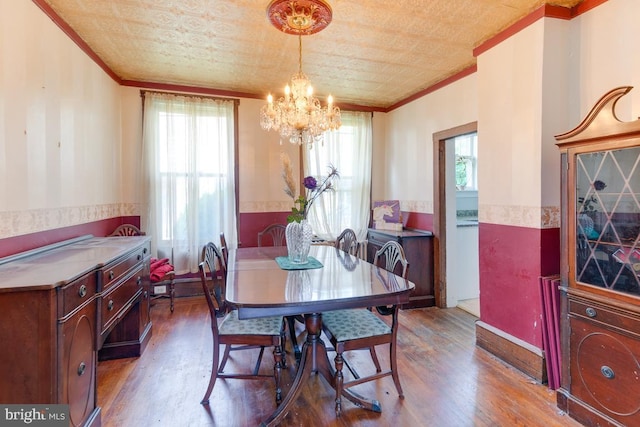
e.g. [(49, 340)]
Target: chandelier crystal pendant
[(298, 115)]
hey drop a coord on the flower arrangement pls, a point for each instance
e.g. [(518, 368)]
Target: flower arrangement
[(313, 189), (589, 204)]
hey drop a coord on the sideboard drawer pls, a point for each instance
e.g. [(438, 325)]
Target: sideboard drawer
[(77, 293), (113, 272), (605, 316), (118, 300)]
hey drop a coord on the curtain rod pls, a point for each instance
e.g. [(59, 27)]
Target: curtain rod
[(189, 95)]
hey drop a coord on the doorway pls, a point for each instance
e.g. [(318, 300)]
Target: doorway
[(455, 225)]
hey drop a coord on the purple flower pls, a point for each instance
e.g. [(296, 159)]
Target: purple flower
[(310, 183), (599, 185)]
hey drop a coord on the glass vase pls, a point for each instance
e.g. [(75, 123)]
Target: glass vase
[(298, 235)]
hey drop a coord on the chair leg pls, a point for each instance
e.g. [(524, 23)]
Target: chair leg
[(291, 320), (374, 356), (277, 371), (394, 369), (283, 340), (214, 374), (227, 350), (256, 370), (172, 293), (339, 380)]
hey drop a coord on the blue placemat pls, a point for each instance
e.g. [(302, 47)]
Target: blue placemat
[(285, 264)]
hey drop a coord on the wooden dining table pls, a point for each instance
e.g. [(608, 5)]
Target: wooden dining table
[(257, 286)]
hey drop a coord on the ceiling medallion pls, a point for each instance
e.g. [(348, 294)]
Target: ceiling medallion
[(299, 16), (298, 116)]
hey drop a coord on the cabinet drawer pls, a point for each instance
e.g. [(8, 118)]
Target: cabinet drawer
[(113, 272), (605, 316), (77, 293), (603, 370), (118, 300), (77, 367)]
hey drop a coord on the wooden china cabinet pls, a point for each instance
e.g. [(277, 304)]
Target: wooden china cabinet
[(600, 268)]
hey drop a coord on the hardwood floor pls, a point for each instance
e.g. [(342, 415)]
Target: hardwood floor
[(447, 381)]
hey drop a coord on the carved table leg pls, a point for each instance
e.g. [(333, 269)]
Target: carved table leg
[(315, 359)]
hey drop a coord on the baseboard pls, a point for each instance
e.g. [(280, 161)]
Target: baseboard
[(517, 353)]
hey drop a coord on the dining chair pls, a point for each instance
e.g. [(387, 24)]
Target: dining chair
[(236, 334), (371, 330), (275, 233), (160, 281), (348, 242), (224, 248), (127, 230)]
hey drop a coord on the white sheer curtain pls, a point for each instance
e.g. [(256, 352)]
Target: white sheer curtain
[(188, 177), (349, 150)]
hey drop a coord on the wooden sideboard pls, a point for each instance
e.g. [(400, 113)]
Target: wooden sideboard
[(63, 307), (418, 248)]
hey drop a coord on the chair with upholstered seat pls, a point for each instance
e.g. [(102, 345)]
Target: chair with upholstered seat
[(164, 286), (275, 233), (371, 330), (233, 333), (348, 242)]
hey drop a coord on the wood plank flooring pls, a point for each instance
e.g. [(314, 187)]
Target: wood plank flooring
[(447, 381)]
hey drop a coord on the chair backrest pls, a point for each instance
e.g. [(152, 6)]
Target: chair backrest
[(127, 230), (393, 255), (277, 234), (213, 277), (348, 242), (224, 248)]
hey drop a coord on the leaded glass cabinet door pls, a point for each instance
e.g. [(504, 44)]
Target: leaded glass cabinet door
[(607, 247)]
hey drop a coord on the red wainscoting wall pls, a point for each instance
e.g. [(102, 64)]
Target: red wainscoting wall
[(253, 223), (511, 261), (26, 242), (417, 220)]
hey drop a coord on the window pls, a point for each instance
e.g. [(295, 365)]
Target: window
[(466, 161), (349, 150), (189, 171)]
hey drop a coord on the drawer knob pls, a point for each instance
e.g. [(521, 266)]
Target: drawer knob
[(81, 368), (139, 281), (146, 294), (591, 312), (82, 291), (144, 251), (607, 372), (139, 257), (110, 305), (111, 275)]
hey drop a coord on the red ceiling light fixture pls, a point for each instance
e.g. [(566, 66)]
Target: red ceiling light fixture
[(301, 17), (298, 116)]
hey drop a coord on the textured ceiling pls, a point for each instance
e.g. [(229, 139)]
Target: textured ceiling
[(374, 53)]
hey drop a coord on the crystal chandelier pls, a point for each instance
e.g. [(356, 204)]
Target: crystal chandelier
[(298, 116)]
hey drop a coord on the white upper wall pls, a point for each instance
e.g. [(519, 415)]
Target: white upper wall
[(408, 150), (509, 120), (60, 132), (604, 55)]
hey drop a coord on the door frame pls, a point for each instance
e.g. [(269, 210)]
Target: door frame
[(439, 208)]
